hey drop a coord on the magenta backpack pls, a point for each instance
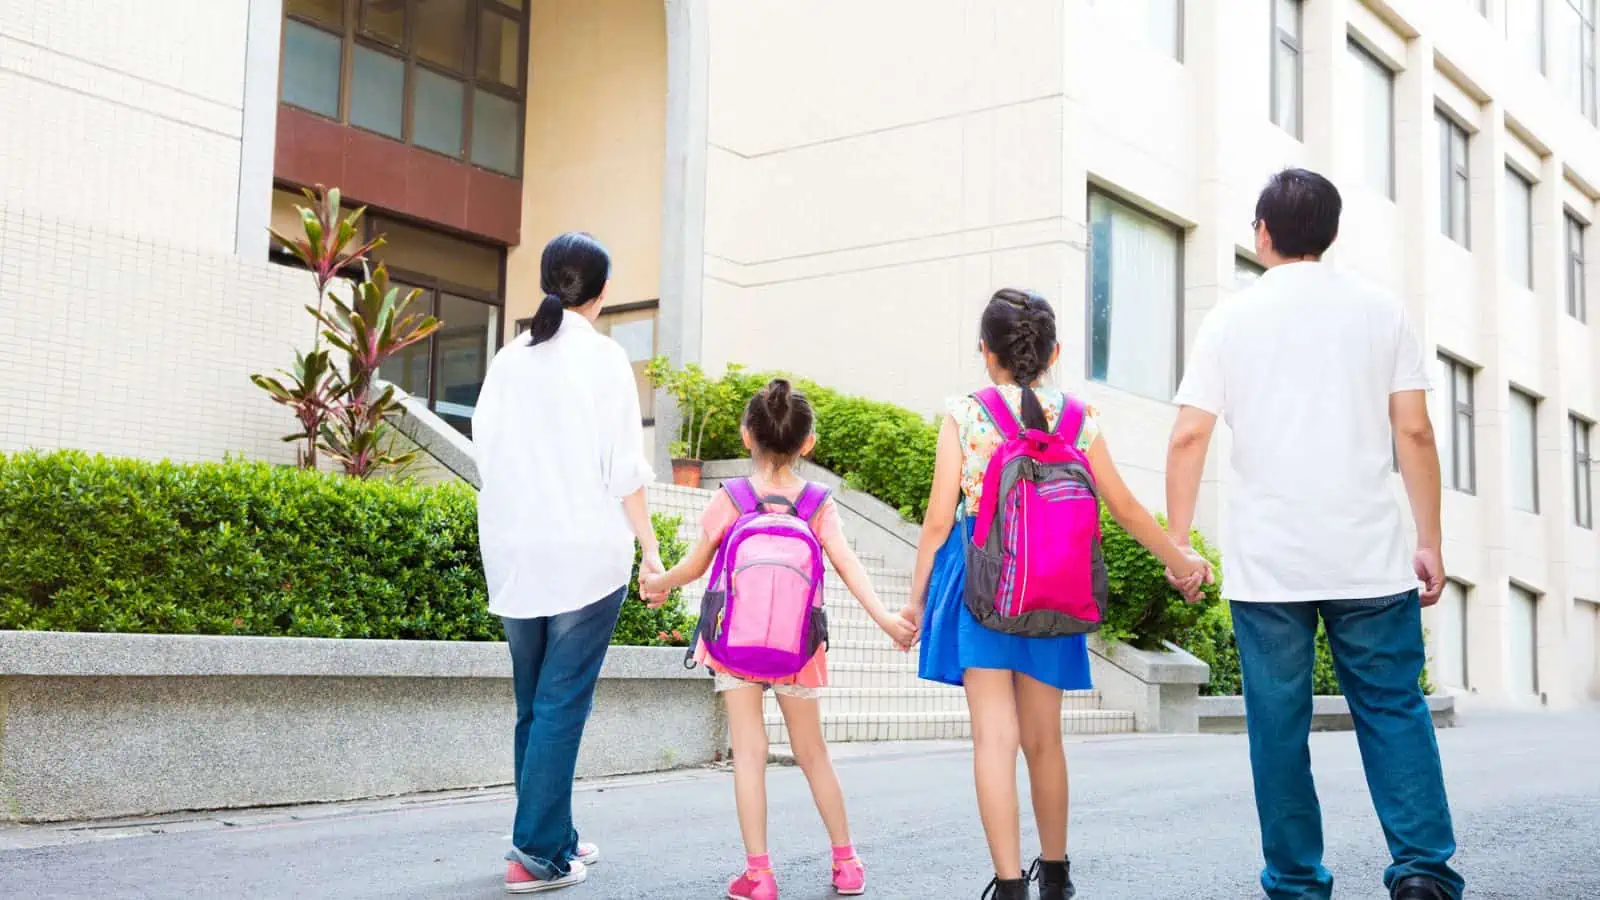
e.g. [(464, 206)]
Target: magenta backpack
[(1034, 567), (762, 615)]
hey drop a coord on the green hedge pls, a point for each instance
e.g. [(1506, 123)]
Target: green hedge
[(97, 544)]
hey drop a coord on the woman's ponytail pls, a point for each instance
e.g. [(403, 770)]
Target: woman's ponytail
[(547, 321), (573, 272)]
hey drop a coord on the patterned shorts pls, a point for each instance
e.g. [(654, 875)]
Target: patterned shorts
[(722, 681)]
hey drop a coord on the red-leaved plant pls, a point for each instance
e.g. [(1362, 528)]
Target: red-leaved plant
[(336, 407)]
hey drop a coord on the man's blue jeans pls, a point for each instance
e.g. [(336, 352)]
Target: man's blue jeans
[(555, 664), (1378, 655)]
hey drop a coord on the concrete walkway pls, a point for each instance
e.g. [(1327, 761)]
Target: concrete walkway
[(1153, 818)]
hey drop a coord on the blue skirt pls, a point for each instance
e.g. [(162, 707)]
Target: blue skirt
[(953, 641)]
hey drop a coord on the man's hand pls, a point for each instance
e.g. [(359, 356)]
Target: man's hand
[(1429, 566)]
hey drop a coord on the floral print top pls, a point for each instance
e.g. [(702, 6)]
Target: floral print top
[(980, 438)]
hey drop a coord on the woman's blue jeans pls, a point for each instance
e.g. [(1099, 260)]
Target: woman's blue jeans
[(555, 664)]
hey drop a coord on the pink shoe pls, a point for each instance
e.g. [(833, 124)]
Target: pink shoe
[(520, 881), (755, 884), (849, 877)]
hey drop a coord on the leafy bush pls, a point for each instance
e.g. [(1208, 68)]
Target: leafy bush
[(98, 544), (1211, 639), (1145, 610)]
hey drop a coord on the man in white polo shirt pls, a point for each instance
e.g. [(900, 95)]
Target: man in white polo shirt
[(1318, 378)]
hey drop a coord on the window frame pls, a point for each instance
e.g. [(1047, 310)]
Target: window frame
[(651, 305), (1515, 175), (352, 35), (1582, 430), (1534, 401), (1576, 232), (1179, 248), (1366, 56), (1460, 408), (1450, 169), (1283, 41), (1585, 11)]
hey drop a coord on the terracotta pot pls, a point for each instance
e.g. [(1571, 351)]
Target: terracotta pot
[(686, 472)]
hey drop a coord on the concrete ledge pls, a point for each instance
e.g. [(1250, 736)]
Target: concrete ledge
[(104, 725), (1161, 687), (1225, 715)]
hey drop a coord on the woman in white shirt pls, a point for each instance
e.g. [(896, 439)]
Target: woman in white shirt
[(560, 451)]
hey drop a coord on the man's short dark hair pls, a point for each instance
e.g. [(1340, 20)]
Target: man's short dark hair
[(1301, 211)]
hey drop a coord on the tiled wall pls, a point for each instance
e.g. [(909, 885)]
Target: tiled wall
[(94, 127), (114, 343)]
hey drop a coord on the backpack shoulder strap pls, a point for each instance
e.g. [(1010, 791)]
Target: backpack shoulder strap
[(743, 495), (994, 403), (811, 498), (1073, 411)]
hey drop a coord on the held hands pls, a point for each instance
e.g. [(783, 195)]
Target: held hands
[(1192, 575), (652, 581), (901, 629)]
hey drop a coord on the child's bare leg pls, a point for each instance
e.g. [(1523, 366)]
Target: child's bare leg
[(993, 707), (749, 735), (804, 718), (1039, 718)]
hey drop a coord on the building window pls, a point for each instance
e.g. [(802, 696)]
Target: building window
[(1134, 291), (443, 75), (1245, 272), (633, 325), (1454, 202), (1524, 429), (1377, 115), (1525, 20), (1577, 292), (1450, 647), (1574, 30), (1288, 67), (1523, 671), (1164, 24), (1519, 229), (459, 282), (1458, 450), (1582, 472)]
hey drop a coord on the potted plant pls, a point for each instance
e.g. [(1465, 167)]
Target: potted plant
[(697, 399)]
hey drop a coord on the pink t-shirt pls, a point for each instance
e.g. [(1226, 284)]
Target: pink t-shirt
[(720, 514)]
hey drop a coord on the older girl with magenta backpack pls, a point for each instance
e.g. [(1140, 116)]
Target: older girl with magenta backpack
[(1009, 577), (762, 624)]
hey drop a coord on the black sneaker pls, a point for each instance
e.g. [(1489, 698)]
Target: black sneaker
[(1055, 879), (1417, 887), (1006, 889)]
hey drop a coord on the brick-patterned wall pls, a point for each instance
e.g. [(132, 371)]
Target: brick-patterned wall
[(114, 343), (105, 118)]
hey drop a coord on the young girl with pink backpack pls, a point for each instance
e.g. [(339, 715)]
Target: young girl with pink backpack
[(1009, 577), (763, 627)]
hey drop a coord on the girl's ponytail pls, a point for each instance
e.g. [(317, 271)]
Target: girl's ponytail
[(1019, 328)]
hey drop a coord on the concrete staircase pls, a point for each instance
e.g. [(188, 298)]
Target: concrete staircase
[(874, 692)]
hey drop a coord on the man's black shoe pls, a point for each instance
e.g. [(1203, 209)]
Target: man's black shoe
[(1418, 887)]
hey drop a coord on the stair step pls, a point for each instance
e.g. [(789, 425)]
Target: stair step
[(915, 700), (894, 726)]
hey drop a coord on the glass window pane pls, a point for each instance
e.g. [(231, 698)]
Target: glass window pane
[(408, 369), (1286, 75), (499, 49), (1134, 299), (438, 255), (442, 33), (1462, 445), (494, 132), (311, 59), (384, 20), (1459, 209), (1377, 112), (635, 330), (328, 12), (436, 112), (1446, 432), (466, 344), (1519, 229), (1524, 452), (1164, 25), (1523, 671), (1450, 648), (377, 92), (1288, 17)]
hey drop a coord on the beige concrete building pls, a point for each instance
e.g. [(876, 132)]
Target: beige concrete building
[(832, 188)]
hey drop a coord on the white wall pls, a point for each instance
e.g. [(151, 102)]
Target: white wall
[(107, 117)]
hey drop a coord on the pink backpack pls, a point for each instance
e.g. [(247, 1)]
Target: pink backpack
[(1034, 567), (762, 615)]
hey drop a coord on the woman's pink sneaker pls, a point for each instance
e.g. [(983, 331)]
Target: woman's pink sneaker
[(849, 877), (755, 884)]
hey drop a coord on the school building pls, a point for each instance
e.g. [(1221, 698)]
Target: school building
[(832, 188)]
